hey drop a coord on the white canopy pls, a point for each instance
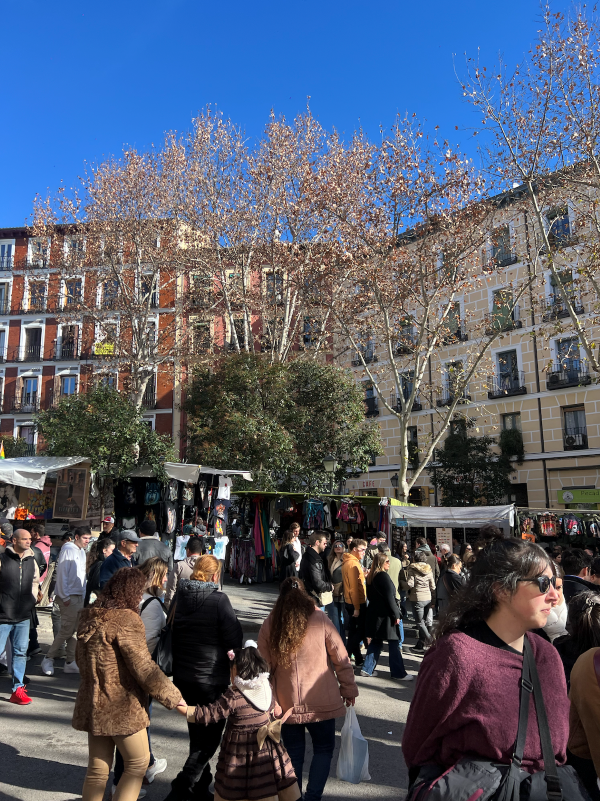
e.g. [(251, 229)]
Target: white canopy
[(189, 473), (30, 471), (455, 516)]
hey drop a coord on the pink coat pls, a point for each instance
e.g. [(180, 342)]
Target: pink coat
[(43, 544), (319, 676)]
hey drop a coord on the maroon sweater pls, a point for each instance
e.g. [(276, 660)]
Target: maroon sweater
[(466, 703)]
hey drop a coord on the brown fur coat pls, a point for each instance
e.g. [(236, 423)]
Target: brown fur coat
[(117, 674)]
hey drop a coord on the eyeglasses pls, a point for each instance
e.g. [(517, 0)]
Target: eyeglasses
[(544, 582)]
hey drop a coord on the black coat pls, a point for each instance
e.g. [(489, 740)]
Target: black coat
[(16, 586), (40, 560), (288, 561), (205, 627), (383, 610), (449, 583), (314, 573), (573, 585), (93, 579)]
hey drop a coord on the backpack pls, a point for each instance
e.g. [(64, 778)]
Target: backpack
[(152, 495)]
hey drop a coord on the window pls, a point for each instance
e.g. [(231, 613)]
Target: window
[(6, 255), (502, 310), (453, 325), (508, 376), (274, 287), (501, 251), (27, 433), (68, 347), (559, 227), (110, 293), (574, 428), (29, 395), (567, 350), (33, 345), (38, 252), (412, 441), (108, 380), (73, 292), (37, 295), (366, 347), (201, 291), (310, 332), (68, 385), (511, 421), (201, 339), (372, 406), (458, 427), (4, 298), (240, 334), (74, 247), (149, 396), (149, 291), (2, 345)]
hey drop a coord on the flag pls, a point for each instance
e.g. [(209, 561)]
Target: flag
[(2, 456)]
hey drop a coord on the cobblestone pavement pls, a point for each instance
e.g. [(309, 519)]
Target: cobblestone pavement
[(43, 759)]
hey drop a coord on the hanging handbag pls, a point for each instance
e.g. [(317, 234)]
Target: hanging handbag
[(163, 653), (471, 778)]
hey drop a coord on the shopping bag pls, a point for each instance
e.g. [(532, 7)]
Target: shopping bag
[(353, 761)]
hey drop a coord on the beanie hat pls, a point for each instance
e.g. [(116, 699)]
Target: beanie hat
[(148, 528)]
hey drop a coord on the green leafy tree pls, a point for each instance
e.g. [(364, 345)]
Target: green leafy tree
[(280, 421), (106, 427), (14, 446), (468, 472)]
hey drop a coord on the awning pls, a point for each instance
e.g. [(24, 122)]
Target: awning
[(189, 473), (454, 516), (30, 471)]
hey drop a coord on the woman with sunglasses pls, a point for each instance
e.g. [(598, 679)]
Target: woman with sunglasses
[(383, 621), (467, 696), (336, 609)]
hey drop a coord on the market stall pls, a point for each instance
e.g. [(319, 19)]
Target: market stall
[(576, 528)]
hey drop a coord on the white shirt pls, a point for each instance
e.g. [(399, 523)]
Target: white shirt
[(70, 571)]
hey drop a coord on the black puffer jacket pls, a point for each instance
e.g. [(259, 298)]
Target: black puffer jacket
[(314, 573), (19, 582), (204, 629)]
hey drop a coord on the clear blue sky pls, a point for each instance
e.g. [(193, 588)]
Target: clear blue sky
[(81, 79)]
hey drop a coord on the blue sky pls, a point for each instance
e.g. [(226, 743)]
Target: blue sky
[(83, 79)]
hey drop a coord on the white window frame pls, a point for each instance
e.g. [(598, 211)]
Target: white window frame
[(494, 354), (63, 289), (25, 326), (38, 278), (150, 418), (13, 244), (30, 257), (71, 238)]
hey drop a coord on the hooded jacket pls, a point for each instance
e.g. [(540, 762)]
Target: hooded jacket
[(314, 573), (419, 582), (182, 570), (117, 674), (205, 627), (353, 578), (19, 585), (431, 561)]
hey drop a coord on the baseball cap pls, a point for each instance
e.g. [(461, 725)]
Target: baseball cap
[(129, 535), (108, 519)]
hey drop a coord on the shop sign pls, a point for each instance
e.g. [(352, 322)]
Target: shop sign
[(443, 536), (400, 523), (579, 496), (368, 484)]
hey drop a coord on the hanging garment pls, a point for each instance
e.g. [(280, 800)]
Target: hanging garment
[(187, 494), (224, 491)]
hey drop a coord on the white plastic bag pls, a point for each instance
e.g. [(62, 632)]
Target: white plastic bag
[(353, 761)]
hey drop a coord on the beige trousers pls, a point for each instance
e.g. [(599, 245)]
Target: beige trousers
[(136, 756), (69, 615)]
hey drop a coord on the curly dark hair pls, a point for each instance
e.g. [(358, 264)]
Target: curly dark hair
[(290, 620), (123, 591), (499, 566)]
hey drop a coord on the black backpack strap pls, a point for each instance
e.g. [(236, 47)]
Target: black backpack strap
[(148, 601), (553, 791), (510, 788)]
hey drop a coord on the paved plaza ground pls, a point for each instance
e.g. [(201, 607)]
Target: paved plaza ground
[(43, 759)]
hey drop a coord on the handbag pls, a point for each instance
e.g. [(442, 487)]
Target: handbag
[(163, 653), (471, 778)]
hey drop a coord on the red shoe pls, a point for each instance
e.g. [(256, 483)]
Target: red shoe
[(20, 697)]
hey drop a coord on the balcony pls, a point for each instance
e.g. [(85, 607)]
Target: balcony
[(371, 407), (568, 373), (149, 399), (369, 357), (556, 308), (460, 335), (6, 262), (449, 394), (66, 352), (397, 406), (34, 306), (500, 386), (28, 402), (31, 449), (504, 258), (406, 343), (4, 307), (575, 439), (29, 353)]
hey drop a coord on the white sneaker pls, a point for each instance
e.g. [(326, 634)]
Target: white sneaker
[(48, 666), (70, 667), (408, 677), (113, 790), (159, 766)]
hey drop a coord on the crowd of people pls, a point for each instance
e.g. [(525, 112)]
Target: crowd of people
[(494, 619)]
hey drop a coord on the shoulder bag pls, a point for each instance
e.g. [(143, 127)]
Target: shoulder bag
[(163, 653), (471, 778)]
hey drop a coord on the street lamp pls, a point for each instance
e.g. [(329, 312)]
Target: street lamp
[(394, 481), (330, 465)]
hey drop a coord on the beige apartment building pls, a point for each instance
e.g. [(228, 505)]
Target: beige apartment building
[(534, 375)]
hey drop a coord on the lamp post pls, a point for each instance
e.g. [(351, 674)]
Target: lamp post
[(394, 481), (330, 465)]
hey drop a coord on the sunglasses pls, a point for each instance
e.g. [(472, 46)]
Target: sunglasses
[(543, 582)]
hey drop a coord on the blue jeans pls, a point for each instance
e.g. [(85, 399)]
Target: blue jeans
[(322, 735), (335, 611), (397, 669), (19, 640)]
